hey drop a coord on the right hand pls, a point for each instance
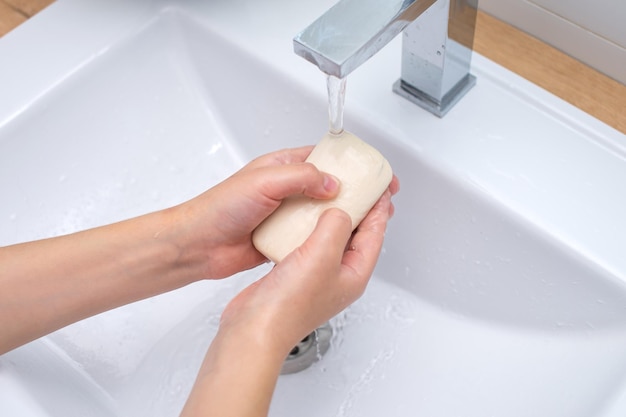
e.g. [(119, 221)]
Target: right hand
[(316, 281)]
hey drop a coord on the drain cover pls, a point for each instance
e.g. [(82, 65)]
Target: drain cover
[(308, 351)]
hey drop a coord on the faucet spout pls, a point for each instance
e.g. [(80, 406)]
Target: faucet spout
[(435, 67), (352, 31)]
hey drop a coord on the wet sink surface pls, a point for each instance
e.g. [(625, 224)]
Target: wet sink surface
[(500, 290)]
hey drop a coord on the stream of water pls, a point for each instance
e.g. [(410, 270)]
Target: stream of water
[(336, 98)]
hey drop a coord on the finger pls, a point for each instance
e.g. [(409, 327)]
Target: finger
[(282, 157), (367, 241), (329, 238), (394, 186), (279, 182)]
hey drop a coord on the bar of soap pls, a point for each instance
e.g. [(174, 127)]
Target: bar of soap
[(364, 174)]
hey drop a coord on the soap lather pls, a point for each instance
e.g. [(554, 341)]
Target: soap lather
[(364, 174)]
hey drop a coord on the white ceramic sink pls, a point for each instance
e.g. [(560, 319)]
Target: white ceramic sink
[(502, 287)]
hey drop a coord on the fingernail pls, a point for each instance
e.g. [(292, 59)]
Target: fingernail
[(331, 183)]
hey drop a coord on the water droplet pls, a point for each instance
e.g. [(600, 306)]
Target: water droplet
[(215, 147)]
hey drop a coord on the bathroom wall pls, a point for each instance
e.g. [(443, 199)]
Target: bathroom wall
[(592, 31)]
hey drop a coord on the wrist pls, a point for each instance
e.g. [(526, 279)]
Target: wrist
[(175, 230), (264, 318), (239, 364), (254, 343)]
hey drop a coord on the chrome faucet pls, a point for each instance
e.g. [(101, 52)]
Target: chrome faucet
[(436, 49)]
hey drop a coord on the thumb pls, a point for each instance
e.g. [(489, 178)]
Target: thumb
[(279, 182), (328, 240)]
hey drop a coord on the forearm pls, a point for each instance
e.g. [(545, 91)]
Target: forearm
[(237, 377), (48, 284)]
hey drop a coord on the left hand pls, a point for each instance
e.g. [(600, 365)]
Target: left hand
[(215, 228)]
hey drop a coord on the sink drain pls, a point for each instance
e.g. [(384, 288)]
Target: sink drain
[(308, 351)]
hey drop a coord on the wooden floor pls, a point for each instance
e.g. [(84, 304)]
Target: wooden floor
[(534, 60), (15, 12)]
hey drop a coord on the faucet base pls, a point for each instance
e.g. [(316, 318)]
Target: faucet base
[(437, 107)]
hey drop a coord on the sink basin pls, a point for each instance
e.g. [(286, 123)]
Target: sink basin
[(501, 289)]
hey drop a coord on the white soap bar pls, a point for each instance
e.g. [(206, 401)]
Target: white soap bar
[(364, 174)]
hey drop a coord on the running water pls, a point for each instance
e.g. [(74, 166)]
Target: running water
[(336, 97)]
